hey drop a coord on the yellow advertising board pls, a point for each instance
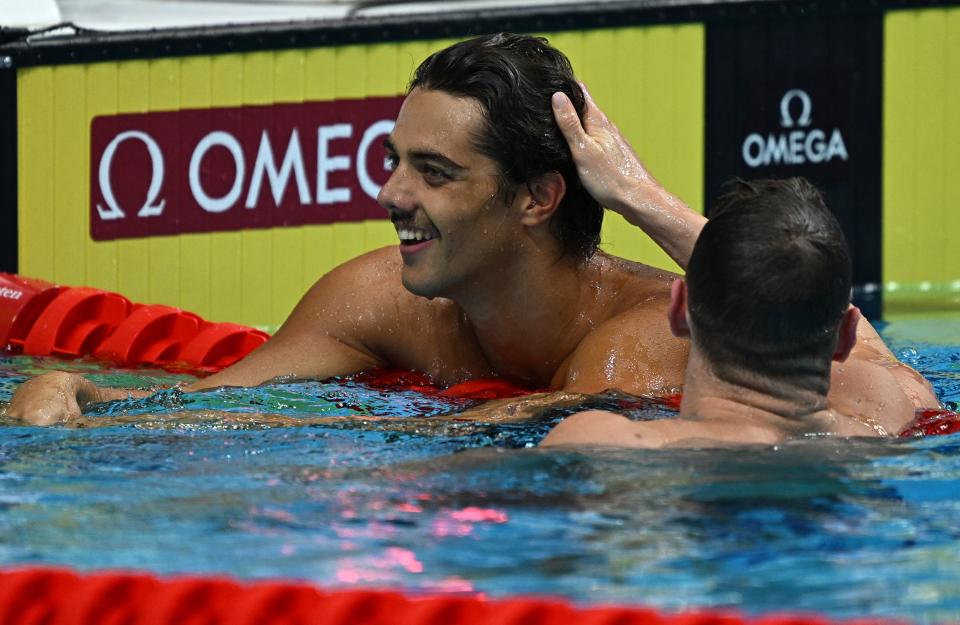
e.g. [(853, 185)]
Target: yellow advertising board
[(650, 79), (651, 74)]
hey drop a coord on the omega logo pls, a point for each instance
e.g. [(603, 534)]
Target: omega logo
[(150, 207), (794, 147), (264, 169)]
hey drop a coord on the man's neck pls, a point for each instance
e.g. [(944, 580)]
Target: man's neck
[(781, 406), (529, 319)]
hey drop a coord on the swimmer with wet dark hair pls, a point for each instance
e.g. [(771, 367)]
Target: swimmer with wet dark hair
[(496, 272), (766, 306)]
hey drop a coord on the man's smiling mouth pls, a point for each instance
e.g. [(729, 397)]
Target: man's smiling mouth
[(410, 235)]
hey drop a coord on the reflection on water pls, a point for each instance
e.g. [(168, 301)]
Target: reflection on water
[(850, 528)]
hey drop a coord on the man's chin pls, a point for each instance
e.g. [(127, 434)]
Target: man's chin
[(420, 288)]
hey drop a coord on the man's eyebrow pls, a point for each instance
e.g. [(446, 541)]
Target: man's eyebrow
[(427, 155), (437, 157)]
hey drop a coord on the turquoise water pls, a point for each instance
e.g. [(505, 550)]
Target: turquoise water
[(190, 483)]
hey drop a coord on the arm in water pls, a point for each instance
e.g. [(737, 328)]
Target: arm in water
[(318, 340), (613, 173), (58, 396), (493, 412)]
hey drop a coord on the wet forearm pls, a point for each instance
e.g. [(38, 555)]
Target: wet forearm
[(520, 408), (94, 394), (665, 218)]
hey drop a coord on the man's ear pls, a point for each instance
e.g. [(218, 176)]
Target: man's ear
[(848, 334), (542, 198), (677, 312)]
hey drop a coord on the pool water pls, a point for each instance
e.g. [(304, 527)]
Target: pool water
[(197, 484)]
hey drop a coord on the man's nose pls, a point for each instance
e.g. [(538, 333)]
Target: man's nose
[(396, 194)]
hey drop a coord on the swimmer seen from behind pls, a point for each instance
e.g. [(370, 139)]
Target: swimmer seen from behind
[(766, 306)]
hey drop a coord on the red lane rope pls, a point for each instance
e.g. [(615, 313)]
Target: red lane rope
[(53, 596), (932, 423), (404, 380), (43, 319)]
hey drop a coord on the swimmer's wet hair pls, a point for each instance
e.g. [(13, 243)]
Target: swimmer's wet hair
[(513, 78), (768, 282)]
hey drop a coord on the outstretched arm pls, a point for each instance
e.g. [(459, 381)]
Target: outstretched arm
[(614, 175), (320, 339)]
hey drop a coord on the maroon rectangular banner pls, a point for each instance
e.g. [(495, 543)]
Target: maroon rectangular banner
[(213, 170)]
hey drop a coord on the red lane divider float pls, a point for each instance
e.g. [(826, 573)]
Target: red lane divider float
[(75, 322), (932, 423), (42, 319), (50, 596), (219, 345), (21, 302), (153, 335), (403, 380)]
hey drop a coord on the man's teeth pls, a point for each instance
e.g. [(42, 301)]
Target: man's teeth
[(413, 235)]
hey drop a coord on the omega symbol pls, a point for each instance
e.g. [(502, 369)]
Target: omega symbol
[(150, 206), (807, 107)]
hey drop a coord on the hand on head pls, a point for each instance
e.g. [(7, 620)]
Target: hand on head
[(616, 178), (606, 163)]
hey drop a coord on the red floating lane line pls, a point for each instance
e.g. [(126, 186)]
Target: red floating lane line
[(443, 610), (75, 322), (22, 300), (485, 389), (192, 601), (620, 616), (43, 319), (219, 345), (404, 380), (932, 423), (107, 599), (152, 334), (31, 597), (711, 618), (52, 596)]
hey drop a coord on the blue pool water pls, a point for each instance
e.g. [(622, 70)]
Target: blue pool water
[(845, 528)]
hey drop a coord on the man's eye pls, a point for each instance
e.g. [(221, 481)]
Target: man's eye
[(434, 176), (389, 162)]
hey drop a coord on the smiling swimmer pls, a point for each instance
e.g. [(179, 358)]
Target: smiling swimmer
[(497, 273)]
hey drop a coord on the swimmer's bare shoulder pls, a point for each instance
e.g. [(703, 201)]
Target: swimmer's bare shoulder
[(406, 331), (357, 317), (637, 275), (600, 428), (868, 392), (874, 388), (631, 347), (322, 336)]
